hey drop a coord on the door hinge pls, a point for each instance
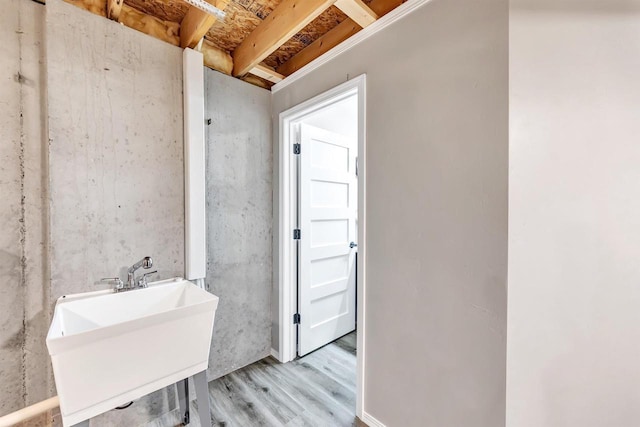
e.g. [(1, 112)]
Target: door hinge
[(296, 234), (296, 319), (296, 148)]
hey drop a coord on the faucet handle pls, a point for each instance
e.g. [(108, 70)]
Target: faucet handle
[(113, 280), (142, 281)]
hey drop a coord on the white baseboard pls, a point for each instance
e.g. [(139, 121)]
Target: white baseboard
[(275, 355), (371, 421)]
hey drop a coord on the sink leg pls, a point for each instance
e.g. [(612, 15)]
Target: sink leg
[(84, 423), (183, 399), (202, 393)]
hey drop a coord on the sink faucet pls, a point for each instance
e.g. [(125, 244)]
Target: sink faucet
[(120, 286), (142, 281), (145, 263)]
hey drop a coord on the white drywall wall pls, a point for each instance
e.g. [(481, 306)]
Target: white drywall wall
[(574, 214)]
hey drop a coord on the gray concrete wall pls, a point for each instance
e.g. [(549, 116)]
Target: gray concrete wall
[(116, 150), (91, 177), (115, 160), (436, 218), (11, 247), (239, 218), (574, 210), (24, 308)]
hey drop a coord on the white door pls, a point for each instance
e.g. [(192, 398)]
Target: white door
[(326, 262)]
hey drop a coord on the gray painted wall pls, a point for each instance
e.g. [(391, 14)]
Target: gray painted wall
[(239, 219), (574, 210), (24, 308), (437, 129)]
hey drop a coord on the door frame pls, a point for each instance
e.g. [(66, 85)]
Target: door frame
[(287, 221)]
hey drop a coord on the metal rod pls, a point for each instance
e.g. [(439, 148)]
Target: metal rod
[(186, 419), (207, 7)]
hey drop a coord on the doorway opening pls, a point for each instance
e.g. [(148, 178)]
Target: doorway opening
[(321, 226)]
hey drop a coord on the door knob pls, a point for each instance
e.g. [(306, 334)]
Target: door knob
[(353, 245)]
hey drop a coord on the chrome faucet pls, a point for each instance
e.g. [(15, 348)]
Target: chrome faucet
[(118, 283), (145, 263), (142, 281), (120, 286)]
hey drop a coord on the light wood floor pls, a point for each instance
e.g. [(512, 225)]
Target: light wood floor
[(318, 390)]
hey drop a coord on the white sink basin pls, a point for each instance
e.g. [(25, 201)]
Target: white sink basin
[(110, 348)]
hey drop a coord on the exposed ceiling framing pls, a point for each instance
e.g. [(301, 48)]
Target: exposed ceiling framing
[(259, 41), (196, 23)]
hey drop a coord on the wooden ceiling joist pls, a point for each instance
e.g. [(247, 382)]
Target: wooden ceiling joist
[(267, 73), (256, 81), (133, 18), (358, 11), (333, 38), (287, 19), (196, 23), (163, 30), (325, 43), (268, 39)]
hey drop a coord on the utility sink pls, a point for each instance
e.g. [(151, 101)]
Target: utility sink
[(109, 348)]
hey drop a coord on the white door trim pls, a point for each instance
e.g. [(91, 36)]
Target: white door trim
[(287, 218)]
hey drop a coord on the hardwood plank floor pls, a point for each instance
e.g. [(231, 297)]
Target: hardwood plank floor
[(318, 390)]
